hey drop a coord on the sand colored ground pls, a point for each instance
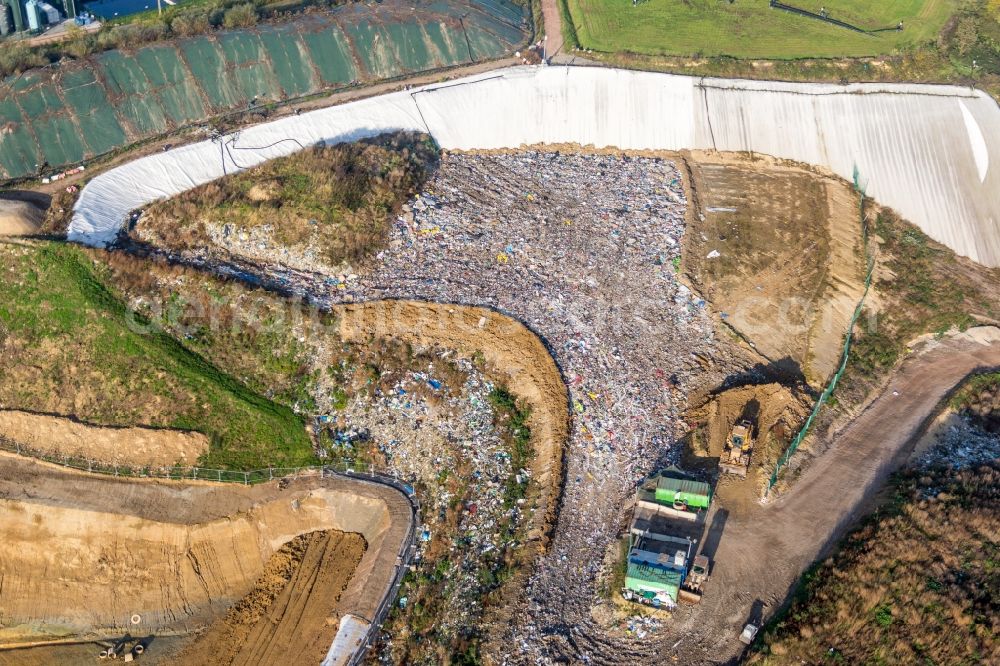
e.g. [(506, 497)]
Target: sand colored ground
[(55, 435), (18, 218), (511, 348), (80, 553), (787, 267), (776, 413), (281, 619)]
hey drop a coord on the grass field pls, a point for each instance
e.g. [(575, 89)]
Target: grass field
[(751, 29), (70, 346)]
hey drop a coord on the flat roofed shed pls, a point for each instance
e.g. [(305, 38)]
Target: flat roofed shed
[(696, 494), (651, 581)]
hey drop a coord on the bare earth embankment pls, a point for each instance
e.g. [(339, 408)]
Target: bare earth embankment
[(82, 554), (54, 435)]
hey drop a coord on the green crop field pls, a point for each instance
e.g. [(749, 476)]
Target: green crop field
[(752, 29)]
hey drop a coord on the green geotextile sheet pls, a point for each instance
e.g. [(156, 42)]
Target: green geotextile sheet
[(65, 114)]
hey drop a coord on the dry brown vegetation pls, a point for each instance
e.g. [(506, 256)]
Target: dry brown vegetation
[(279, 347), (979, 399), (920, 287), (60, 211), (338, 201), (918, 582)]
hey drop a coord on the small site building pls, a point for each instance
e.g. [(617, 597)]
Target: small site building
[(671, 489), (656, 568), (653, 584), (669, 509)]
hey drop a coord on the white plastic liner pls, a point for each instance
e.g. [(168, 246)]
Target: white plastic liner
[(929, 152), (350, 633)]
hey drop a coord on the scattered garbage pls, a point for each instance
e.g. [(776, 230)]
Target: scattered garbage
[(585, 250)]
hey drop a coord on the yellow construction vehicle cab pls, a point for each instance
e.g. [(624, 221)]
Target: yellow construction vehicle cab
[(739, 447)]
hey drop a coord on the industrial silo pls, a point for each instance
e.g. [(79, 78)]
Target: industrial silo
[(34, 15)]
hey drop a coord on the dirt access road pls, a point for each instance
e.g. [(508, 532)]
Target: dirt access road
[(553, 28), (758, 558)]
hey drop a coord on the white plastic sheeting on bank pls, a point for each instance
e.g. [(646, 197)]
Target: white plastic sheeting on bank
[(930, 152), (350, 634)]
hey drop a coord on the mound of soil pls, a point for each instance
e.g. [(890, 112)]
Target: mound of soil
[(776, 250), (282, 619), (53, 435), (776, 413)]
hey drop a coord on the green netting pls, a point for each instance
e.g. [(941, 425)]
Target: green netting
[(410, 44), (59, 140), (142, 114), (64, 114), (331, 55), (40, 100), (173, 85), (371, 45), (286, 53), (449, 46), (18, 149), (26, 81), (845, 356), (241, 48), (122, 74), (205, 61)]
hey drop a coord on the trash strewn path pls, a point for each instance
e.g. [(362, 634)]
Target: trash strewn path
[(581, 248)]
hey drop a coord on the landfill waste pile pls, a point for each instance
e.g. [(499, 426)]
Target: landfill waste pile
[(445, 438), (583, 248), (960, 442)]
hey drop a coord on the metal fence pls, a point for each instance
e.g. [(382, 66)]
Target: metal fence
[(193, 473), (828, 391)]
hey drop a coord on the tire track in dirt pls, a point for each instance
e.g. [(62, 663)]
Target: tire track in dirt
[(289, 615), (80, 553)]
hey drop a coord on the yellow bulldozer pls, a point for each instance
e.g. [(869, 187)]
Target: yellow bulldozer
[(739, 447)]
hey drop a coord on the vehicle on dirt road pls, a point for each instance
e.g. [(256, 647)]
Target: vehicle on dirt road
[(694, 584), (739, 448), (749, 633)]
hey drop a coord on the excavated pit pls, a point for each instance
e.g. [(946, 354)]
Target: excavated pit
[(82, 555)]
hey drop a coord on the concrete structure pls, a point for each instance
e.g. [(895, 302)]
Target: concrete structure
[(20, 16), (930, 152)]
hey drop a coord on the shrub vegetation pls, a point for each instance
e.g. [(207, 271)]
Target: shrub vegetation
[(917, 583)]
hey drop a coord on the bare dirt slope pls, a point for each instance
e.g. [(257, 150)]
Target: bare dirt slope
[(761, 555), (289, 615), (776, 249), (80, 554), (18, 218), (54, 435)]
